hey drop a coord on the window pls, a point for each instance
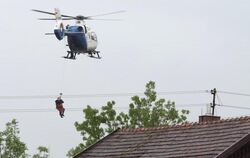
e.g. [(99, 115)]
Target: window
[(93, 36)]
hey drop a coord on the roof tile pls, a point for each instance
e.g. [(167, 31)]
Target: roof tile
[(187, 140)]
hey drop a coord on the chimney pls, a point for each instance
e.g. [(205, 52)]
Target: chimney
[(208, 117)]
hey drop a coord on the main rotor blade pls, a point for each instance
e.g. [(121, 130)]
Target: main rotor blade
[(46, 19), (105, 19), (55, 18), (67, 16), (50, 13), (116, 12), (40, 11)]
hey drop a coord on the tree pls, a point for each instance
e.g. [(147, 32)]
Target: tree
[(150, 112), (43, 152), (147, 111), (11, 145)]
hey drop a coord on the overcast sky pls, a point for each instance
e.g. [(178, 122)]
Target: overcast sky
[(182, 45)]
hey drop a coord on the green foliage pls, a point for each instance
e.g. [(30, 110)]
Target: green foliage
[(12, 147), (95, 125), (10, 143), (147, 111), (43, 152), (150, 112)]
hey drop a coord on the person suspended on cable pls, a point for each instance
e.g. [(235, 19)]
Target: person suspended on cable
[(59, 105)]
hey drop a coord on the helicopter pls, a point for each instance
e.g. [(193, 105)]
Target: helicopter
[(81, 39)]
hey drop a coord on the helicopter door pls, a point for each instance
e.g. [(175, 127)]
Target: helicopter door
[(92, 41), (85, 29)]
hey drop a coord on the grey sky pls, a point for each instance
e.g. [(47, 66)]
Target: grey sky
[(179, 44)]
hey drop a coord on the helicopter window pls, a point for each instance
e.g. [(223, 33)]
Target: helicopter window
[(93, 36), (80, 29)]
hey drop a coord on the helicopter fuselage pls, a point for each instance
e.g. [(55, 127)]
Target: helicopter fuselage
[(80, 38)]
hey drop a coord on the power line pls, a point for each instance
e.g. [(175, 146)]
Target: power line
[(126, 108), (219, 99), (36, 110), (98, 95), (235, 93), (23, 110), (188, 105), (236, 107), (183, 92)]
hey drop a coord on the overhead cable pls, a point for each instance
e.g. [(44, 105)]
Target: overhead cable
[(23, 110), (236, 107), (36, 110), (234, 93), (98, 95), (219, 99)]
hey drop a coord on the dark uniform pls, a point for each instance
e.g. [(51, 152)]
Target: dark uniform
[(59, 106)]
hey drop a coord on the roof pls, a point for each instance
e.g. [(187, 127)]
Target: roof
[(204, 140)]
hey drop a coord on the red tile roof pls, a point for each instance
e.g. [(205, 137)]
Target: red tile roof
[(204, 140)]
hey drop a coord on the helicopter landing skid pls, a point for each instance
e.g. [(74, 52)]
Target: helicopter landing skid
[(94, 54), (70, 55), (68, 58)]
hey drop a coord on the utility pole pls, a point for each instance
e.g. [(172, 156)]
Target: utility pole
[(213, 92), (0, 150)]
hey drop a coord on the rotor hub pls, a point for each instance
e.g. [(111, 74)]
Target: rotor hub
[(80, 17)]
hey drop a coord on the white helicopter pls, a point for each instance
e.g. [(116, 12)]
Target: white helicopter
[(80, 38)]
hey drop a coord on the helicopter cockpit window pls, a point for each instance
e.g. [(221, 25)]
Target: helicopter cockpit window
[(80, 29), (93, 36)]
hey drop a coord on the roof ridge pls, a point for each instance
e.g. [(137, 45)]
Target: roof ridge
[(185, 124)]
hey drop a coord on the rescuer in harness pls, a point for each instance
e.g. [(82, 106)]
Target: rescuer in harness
[(59, 105)]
